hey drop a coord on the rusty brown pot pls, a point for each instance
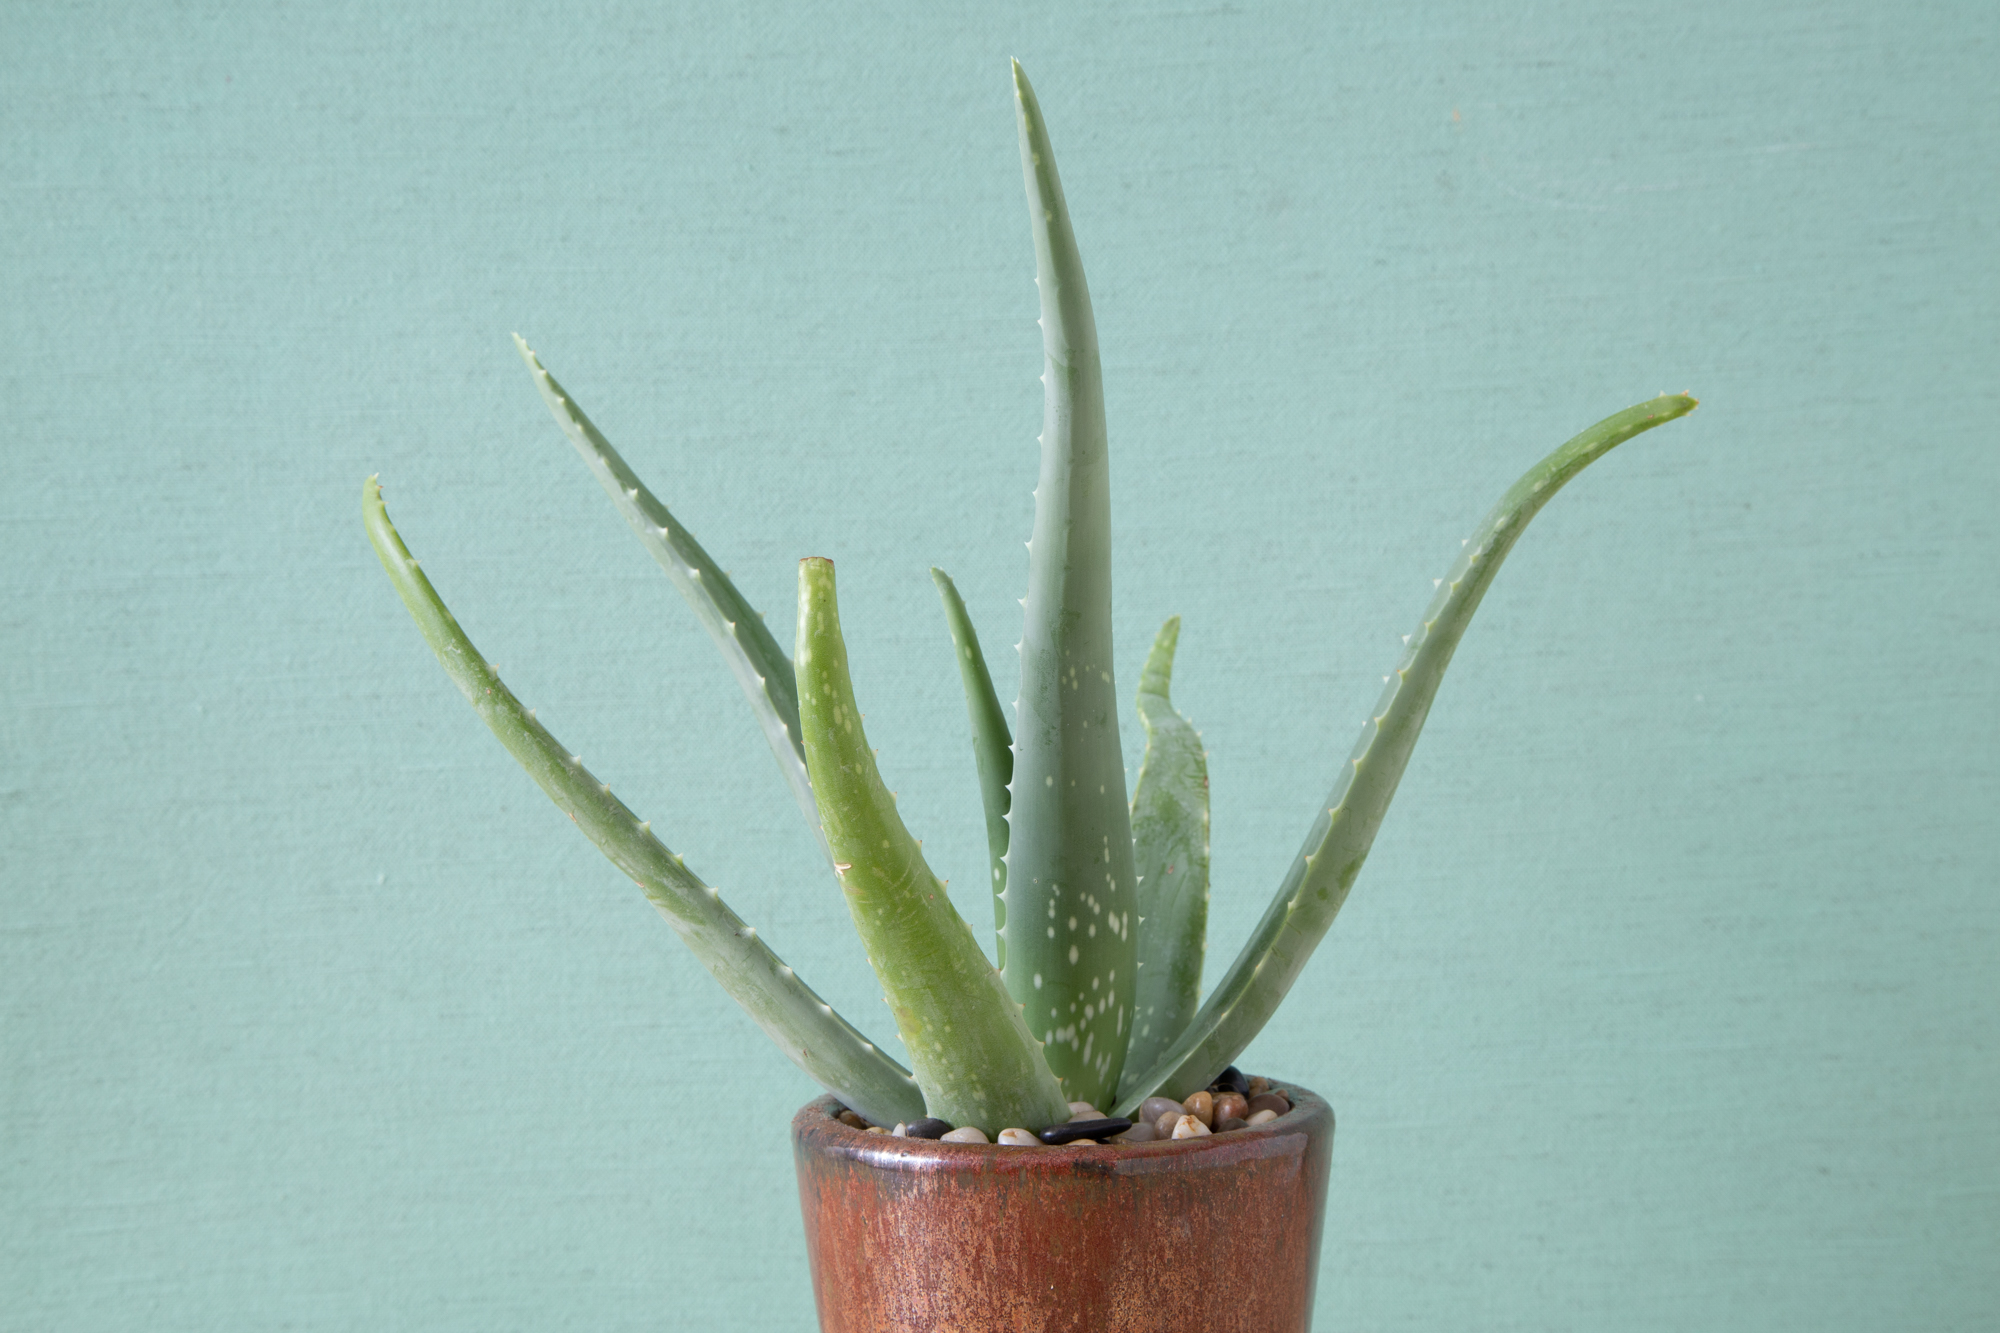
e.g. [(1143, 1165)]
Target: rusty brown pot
[(1213, 1234)]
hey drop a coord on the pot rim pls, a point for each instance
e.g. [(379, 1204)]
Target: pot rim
[(817, 1129)]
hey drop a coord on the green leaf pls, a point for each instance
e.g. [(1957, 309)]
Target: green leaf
[(1325, 869), (972, 1054), (1071, 890), (830, 1050), (1170, 848), (992, 747), (759, 665)]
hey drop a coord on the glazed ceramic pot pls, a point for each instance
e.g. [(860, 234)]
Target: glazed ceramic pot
[(1212, 1234)]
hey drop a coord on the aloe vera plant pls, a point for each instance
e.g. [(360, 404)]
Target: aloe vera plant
[(1099, 902)]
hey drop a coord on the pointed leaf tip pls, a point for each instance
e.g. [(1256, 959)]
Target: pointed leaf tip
[(1024, 92)]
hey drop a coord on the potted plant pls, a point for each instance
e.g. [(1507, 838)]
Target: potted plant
[(1086, 1213)]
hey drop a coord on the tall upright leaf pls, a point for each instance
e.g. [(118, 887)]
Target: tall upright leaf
[(1071, 889)]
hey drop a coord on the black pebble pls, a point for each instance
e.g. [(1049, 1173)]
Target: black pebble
[(930, 1127), (1084, 1129), (1232, 1080)]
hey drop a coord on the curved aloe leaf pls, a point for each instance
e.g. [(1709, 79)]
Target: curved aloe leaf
[(972, 1054), (1318, 882), (830, 1050), (759, 665), (1071, 890), (992, 747), (1170, 849)]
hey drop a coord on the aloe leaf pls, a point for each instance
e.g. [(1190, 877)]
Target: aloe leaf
[(1170, 850), (992, 747), (1071, 889), (822, 1043), (1319, 879), (759, 665), (970, 1049)]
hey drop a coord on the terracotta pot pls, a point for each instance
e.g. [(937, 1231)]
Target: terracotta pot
[(1210, 1235)]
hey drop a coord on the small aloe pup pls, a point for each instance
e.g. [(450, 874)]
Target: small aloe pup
[(1099, 902)]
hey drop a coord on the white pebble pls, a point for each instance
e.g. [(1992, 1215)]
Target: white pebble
[(902, 1130), (1018, 1138), (969, 1134), (1264, 1117), (1084, 1111), (1190, 1127)]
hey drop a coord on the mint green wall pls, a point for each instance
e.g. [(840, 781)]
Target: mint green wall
[(1667, 1000)]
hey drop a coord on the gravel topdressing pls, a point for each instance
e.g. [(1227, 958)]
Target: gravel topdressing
[(1231, 1103)]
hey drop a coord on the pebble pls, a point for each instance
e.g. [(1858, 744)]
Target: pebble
[(1190, 1127), (1019, 1138), (1258, 1085), (1270, 1101), (1263, 1117), (1164, 1126), (850, 1118), (1153, 1108), (1101, 1128), (970, 1134), (1232, 1080), (1224, 1126), (1139, 1133), (1231, 1106), (901, 1131), (930, 1127), (1201, 1105), (1084, 1111)]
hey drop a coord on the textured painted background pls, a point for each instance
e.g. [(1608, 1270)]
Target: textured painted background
[(1668, 998)]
